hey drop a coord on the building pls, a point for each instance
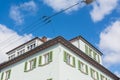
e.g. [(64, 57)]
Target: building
[(55, 59)]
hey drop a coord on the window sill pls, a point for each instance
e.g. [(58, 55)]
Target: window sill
[(30, 69), (44, 64), (70, 65), (94, 78), (83, 72)]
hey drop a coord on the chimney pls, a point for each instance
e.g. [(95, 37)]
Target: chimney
[(44, 38)]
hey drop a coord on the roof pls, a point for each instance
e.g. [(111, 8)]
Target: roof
[(67, 44), (24, 44), (88, 43)]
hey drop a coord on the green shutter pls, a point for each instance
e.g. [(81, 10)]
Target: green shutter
[(34, 63), (2, 76), (86, 49), (86, 69), (79, 65), (91, 72), (73, 61), (94, 55), (65, 56), (97, 76), (40, 60), (9, 72), (98, 59), (50, 56), (25, 68), (89, 53)]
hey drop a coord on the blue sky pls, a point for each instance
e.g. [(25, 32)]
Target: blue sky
[(99, 23)]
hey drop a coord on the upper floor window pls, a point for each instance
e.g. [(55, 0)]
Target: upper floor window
[(45, 59), (49, 79), (30, 65), (21, 52), (6, 75), (82, 67), (90, 52), (12, 56), (94, 74), (69, 59), (31, 46), (103, 77)]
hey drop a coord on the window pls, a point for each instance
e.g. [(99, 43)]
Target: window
[(82, 67), (70, 60), (21, 52), (30, 65), (86, 49), (96, 57), (45, 59), (6, 75), (49, 79), (94, 74), (31, 46), (91, 53), (12, 56), (102, 77)]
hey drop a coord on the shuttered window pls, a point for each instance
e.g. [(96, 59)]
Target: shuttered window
[(69, 59), (6, 75), (94, 74), (82, 67), (30, 65), (103, 77), (46, 58), (86, 49)]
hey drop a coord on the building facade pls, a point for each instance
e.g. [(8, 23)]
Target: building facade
[(55, 59)]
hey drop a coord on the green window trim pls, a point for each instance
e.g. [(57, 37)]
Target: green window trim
[(69, 59), (86, 49), (73, 61), (80, 64), (34, 65), (86, 69), (25, 67), (94, 55), (50, 55), (9, 73), (40, 60), (50, 59), (97, 75), (2, 76), (90, 52), (49, 79), (65, 56), (98, 58)]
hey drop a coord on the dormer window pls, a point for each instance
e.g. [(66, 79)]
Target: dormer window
[(31, 46)]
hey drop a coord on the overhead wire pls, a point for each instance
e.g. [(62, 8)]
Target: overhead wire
[(47, 19)]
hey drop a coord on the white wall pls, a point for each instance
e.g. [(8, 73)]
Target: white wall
[(70, 73), (39, 73)]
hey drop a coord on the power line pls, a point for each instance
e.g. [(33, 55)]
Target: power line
[(47, 19)]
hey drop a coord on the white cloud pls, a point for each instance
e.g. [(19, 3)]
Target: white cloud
[(59, 5), (109, 43), (102, 8), (9, 39), (117, 73), (17, 13)]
